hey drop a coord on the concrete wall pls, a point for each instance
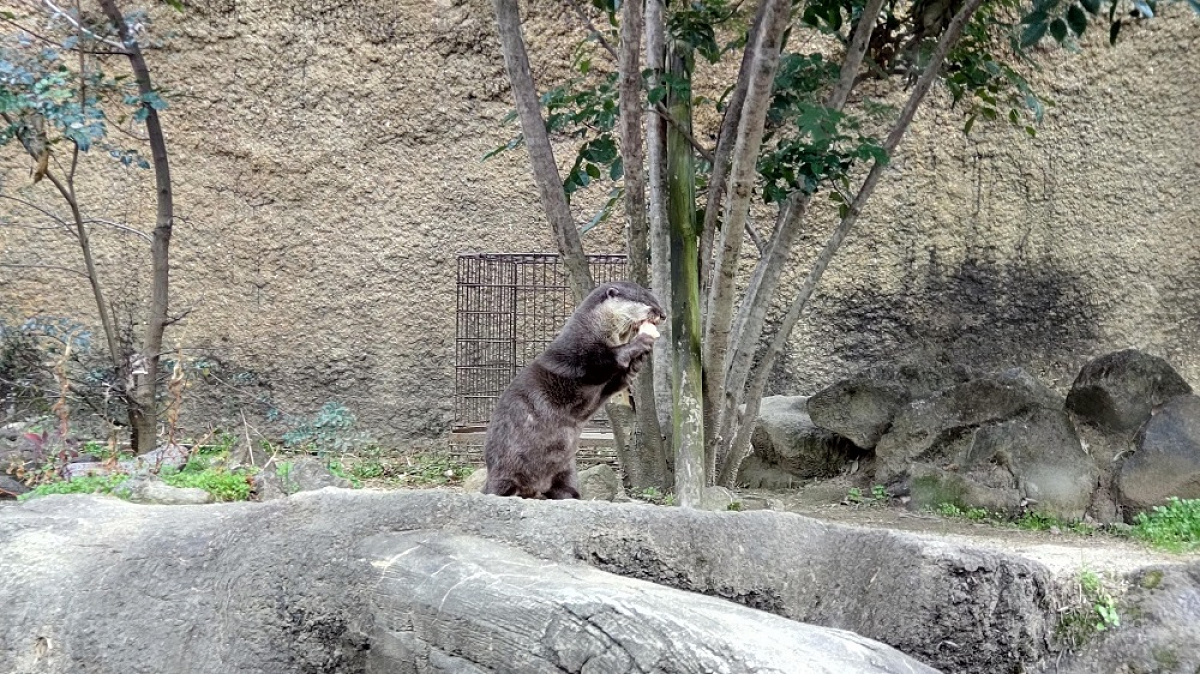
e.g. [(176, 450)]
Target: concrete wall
[(327, 169)]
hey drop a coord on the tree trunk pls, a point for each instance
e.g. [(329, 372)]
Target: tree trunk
[(745, 424), (752, 314), (742, 175), (541, 155), (660, 235), (646, 463), (144, 411), (687, 380)]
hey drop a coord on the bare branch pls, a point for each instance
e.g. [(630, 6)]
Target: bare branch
[(83, 29), (591, 27), (120, 227), (58, 45)]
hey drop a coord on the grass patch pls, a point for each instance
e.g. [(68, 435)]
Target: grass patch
[(1029, 521), (1174, 527), (91, 484), (393, 469), (223, 485)]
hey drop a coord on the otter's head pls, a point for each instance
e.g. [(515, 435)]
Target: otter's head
[(619, 308)]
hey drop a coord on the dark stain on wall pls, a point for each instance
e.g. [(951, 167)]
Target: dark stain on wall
[(985, 313)]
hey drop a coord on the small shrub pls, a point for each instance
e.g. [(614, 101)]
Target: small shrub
[(91, 484), (1094, 611), (223, 485), (1174, 527), (330, 431)]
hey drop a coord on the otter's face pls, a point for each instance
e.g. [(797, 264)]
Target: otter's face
[(624, 307)]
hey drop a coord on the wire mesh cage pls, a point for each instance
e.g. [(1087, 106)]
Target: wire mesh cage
[(510, 306)]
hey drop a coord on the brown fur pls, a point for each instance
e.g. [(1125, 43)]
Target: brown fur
[(533, 433)]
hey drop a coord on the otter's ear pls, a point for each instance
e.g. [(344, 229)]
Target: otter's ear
[(613, 292)]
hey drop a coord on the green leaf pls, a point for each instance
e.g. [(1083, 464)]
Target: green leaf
[(967, 127), (1112, 32), (1092, 6), (1058, 30), (1195, 5), (1031, 131), (1036, 16), (616, 170), (1032, 34), (176, 5), (1077, 20), (1013, 117)]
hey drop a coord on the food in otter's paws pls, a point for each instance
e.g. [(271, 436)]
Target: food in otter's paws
[(648, 328)]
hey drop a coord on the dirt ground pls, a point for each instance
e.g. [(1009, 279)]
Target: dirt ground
[(1064, 552)]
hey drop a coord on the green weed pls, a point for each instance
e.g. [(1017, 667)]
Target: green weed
[(1174, 527), (92, 484), (1094, 610)]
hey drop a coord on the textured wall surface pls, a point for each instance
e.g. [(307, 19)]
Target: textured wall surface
[(327, 169)]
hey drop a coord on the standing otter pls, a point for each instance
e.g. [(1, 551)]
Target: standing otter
[(534, 430)]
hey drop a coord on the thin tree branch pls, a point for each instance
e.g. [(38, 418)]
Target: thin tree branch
[(742, 175), (741, 444), (79, 26), (751, 316), (58, 45)]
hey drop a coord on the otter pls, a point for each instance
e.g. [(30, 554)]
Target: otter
[(533, 433)]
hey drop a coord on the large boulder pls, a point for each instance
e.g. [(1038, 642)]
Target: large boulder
[(1167, 461), (150, 489), (165, 456), (100, 585), (1117, 392), (599, 483), (786, 441), (997, 442), (862, 407), (438, 594)]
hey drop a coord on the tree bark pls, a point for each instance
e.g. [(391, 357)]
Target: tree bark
[(646, 461), (145, 396), (541, 155), (725, 140), (660, 236), (752, 314), (745, 425), (686, 328), (742, 175)]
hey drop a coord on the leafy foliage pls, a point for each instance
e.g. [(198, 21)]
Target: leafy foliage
[(329, 431), (223, 484), (45, 101), (1174, 527), (91, 484)]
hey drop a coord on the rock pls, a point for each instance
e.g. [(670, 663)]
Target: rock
[(152, 462), (756, 473), (995, 442), (786, 439), (475, 481), (1159, 614), (438, 592), (862, 407), (1117, 392), (150, 489), (599, 483), (101, 580), (1167, 461), (716, 498), (288, 477), (10, 487)]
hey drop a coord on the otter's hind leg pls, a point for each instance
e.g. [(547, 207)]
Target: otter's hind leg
[(565, 485)]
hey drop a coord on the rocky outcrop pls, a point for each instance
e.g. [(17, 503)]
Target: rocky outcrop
[(1167, 460), (438, 594), (861, 408), (97, 584), (998, 442), (150, 489), (1116, 392), (285, 478), (788, 448), (599, 483)]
